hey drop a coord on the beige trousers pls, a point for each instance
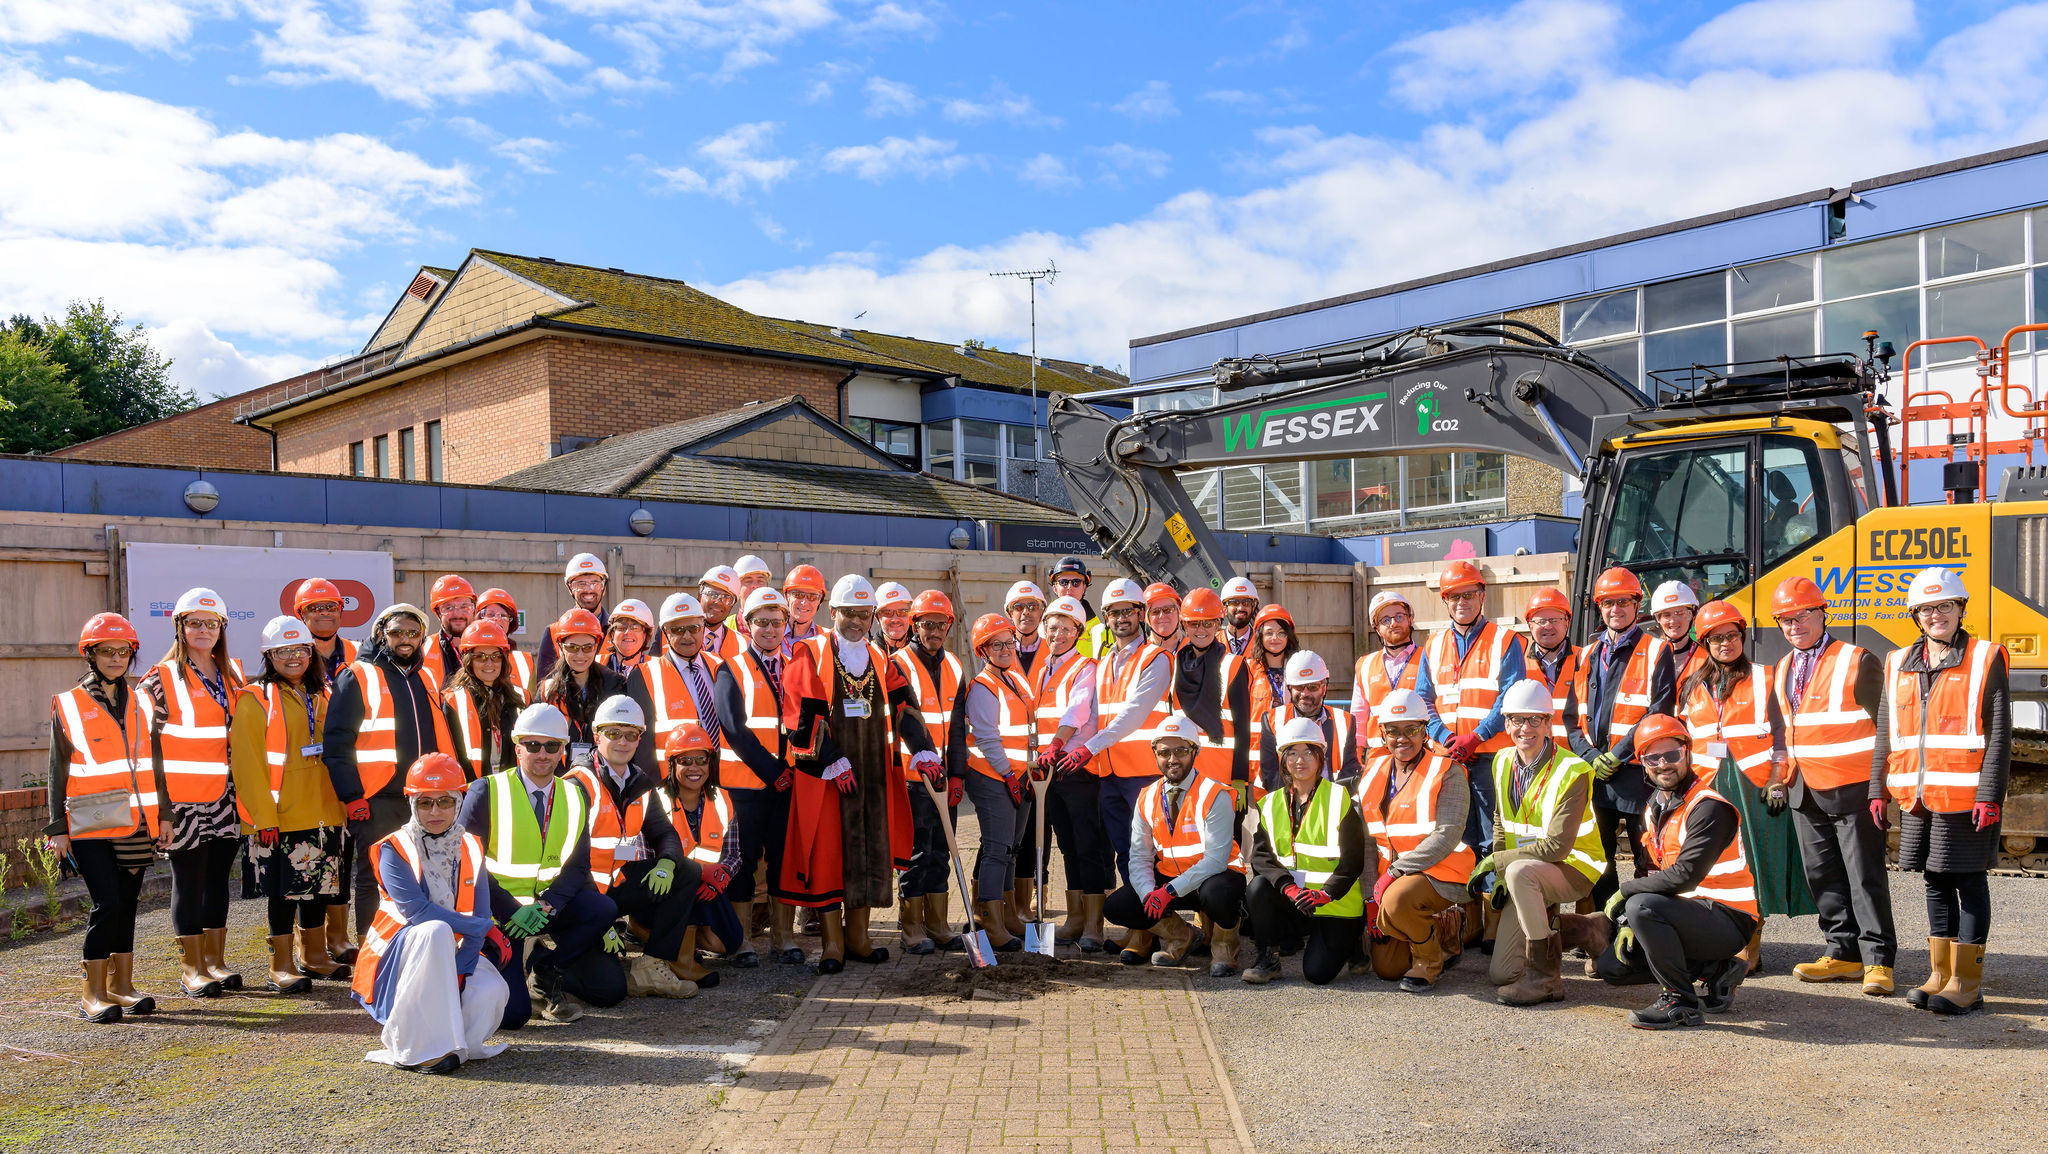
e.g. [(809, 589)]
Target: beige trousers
[(1535, 890)]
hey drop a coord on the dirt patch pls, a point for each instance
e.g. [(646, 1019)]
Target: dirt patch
[(1014, 977)]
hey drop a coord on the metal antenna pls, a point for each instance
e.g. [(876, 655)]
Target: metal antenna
[(1048, 274)]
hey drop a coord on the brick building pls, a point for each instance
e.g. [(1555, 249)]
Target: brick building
[(207, 437)]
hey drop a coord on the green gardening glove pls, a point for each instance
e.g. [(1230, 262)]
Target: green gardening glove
[(662, 876), (1625, 941), (1477, 880), (1604, 765), (613, 943), (1613, 908), (530, 920)]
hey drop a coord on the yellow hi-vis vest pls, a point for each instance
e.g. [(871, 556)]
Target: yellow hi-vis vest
[(1311, 852), (524, 862), (1529, 821)]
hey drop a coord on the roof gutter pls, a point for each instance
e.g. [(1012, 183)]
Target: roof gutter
[(738, 350), (843, 382)]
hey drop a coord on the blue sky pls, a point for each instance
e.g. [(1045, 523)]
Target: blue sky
[(257, 179)]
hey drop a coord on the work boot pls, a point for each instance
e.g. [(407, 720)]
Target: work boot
[(215, 944), (1426, 965), (1587, 933), (1092, 939), (782, 934), (1669, 1012), (1941, 962), (1877, 981), (1720, 981), (285, 977), (831, 942), (1205, 933), (1489, 920), (1541, 980), (1828, 968), (939, 924), (992, 923), (1964, 992), (121, 986), (1012, 914), (1753, 953), (1137, 948), (562, 1007), (1076, 921), (338, 948), (1025, 895), (1223, 952), (757, 915), (313, 959), (93, 1003), (910, 927), (1265, 968), (1176, 938), (192, 975), (650, 977), (859, 946), (688, 968)]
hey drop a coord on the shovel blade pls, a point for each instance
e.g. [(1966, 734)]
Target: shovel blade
[(1038, 938), (978, 949)]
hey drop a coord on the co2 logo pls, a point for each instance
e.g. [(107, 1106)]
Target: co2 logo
[(1444, 425)]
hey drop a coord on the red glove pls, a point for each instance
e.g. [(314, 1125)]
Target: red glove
[(497, 947), (1015, 782), (1049, 757), (1157, 901), (268, 837), (1463, 746), (359, 809), (1307, 900), (1291, 892), (1379, 889), (787, 779), (1075, 760), (1372, 921), (1985, 814), (846, 783), (956, 788), (1877, 817), (461, 982)]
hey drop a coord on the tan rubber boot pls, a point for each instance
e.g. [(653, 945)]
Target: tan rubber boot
[(1941, 960), (831, 941), (121, 986), (1223, 953), (938, 922), (910, 926), (285, 977), (1013, 914), (1076, 921), (1176, 938), (1753, 953), (860, 945), (314, 960), (338, 950), (215, 944), (93, 1003), (1137, 948), (686, 965), (1425, 965), (995, 923), (1541, 979), (1964, 992), (1093, 929), (192, 975), (782, 932)]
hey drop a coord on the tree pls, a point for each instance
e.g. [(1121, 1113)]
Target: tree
[(119, 379), (39, 407)]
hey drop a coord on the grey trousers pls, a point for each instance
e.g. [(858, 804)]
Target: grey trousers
[(1535, 890), (1002, 830), (1844, 860)]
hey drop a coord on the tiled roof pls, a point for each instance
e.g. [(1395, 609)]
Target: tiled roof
[(981, 366), (608, 465)]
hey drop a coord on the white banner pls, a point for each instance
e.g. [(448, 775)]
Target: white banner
[(257, 585)]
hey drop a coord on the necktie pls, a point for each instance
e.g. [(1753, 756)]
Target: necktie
[(540, 811), (700, 692), (1173, 796), (1801, 674)]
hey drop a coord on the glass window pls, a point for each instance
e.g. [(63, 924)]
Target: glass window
[(355, 459), (1785, 335), (1685, 302), (1705, 345), (1976, 246), (2041, 291), (1871, 267), (1243, 508), (1378, 481), (1195, 398), (980, 452), (1682, 514), (1979, 308), (382, 463), (1207, 487), (892, 437), (1021, 445), (1429, 480), (1772, 284), (1481, 476), (1602, 316), (1622, 357), (939, 456), (1282, 488), (433, 450), (405, 447), (1792, 515), (1332, 481), (1895, 316)]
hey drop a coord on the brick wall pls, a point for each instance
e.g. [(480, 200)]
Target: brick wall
[(205, 437), (597, 388), (23, 814)]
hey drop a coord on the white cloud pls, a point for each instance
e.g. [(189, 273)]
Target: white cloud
[(212, 367), (150, 24), (1794, 34), (1152, 102), (999, 104), (1525, 50), (736, 160), (1047, 171), (1121, 158), (894, 156), (528, 152), (891, 98), (416, 53)]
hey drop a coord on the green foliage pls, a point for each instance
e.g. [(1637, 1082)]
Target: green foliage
[(45, 870), (119, 379), (39, 407)]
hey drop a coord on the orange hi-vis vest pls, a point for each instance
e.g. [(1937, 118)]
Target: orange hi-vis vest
[(1131, 757), (1214, 754), (377, 734), (727, 644), (349, 650), (277, 749), (109, 754), (1830, 738), (764, 718), (706, 847), (1178, 846), (935, 700), (1371, 680), (1938, 744), (1339, 730), (195, 735), (1631, 695), (1693, 661), (1728, 881), (1567, 672), (390, 919), (1016, 722), (668, 690), (1401, 823), (611, 828), (1467, 690), (522, 674), (1742, 724), (1053, 682), (472, 735)]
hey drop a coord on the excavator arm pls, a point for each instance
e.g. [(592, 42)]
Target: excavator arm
[(1429, 390)]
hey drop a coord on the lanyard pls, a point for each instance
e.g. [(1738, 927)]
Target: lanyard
[(218, 690)]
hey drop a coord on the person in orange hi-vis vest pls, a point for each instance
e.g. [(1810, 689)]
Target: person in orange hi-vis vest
[(753, 767), (892, 616), (1024, 605), (1240, 607), (1131, 680), (1184, 855), (999, 712), (317, 602), (1472, 661), (677, 685), (1551, 658), (718, 591), (1308, 687), (1064, 683), (1832, 697), (1414, 802), (1273, 642), (1950, 701), (629, 638), (1672, 607), (703, 817), (452, 600), (1399, 663), (1162, 616), (497, 606), (480, 700), (804, 588), (936, 680), (588, 581), (1681, 925), (1624, 675)]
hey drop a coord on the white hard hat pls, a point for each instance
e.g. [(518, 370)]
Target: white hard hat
[(401, 609), (890, 594), (723, 577), (1123, 591), (752, 564), (201, 600), (765, 595), (1306, 667), (584, 565), (283, 631), (1178, 725), (1527, 696), (853, 592), (1383, 599), (1068, 607), (679, 607), (1301, 731), (541, 720), (1673, 595), (618, 709), (1401, 705), (636, 609), (1240, 587), (1023, 591), (1936, 584)]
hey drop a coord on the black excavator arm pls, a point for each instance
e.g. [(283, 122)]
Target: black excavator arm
[(1425, 390)]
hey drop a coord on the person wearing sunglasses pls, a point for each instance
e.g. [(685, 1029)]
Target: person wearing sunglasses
[(1070, 578), (1624, 675), (1185, 855), (1240, 605), (580, 680), (1414, 801), (587, 580)]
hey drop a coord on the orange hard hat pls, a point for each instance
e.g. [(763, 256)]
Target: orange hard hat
[(1659, 726), (435, 773), (684, 738), (1617, 582), (448, 587), (1201, 605), (106, 627), (1273, 613), (1714, 614), (1459, 574), (1160, 593), (501, 599), (1796, 593), (988, 627), (1549, 598), (577, 620), (929, 602), (314, 590), (483, 633), (805, 577)]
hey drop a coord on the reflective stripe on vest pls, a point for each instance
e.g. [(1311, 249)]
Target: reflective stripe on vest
[(194, 736), (668, 689), (277, 749), (522, 860), (1411, 815), (1016, 722), (608, 827), (1631, 694), (1371, 674), (764, 718), (1938, 745), (1465, 693), (522, 673), (1728, 881), (1567, 672), (472, 735), (104, 759), (377, 734), (1132, 756), (935, 700), (1311, 852), (390, 919), (1830, 738), (1180, 846), (1742, 723), (707, 846), (1054, 683), (1531, 821), (1337, 730)]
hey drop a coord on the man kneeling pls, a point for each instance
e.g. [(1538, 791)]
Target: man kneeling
[(1183, 853)]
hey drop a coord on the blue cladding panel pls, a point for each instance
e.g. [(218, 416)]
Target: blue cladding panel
[(1536, 534), (116, 490), (572, 516), (32, 486), (252, 497), (353, 502), (484, 511), (1952, 196), (679, 521), (777, 525)]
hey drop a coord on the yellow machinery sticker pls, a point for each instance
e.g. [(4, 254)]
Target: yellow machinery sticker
[(1182, 535)]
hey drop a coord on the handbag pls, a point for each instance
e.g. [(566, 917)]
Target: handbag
[(103, 812)]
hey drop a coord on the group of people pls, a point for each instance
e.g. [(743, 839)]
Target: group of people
[(650, 792)]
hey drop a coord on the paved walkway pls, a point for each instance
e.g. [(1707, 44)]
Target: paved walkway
[(1076, 1055)]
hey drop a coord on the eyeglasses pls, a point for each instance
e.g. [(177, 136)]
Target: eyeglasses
[(690, 761), (1395, 618), (1175, 752), (802, 597), (439, 801), (1297, 752), (999, 647), (583, 649), (1941, 607), (1527, 720), (321, 607), (203, 624), (114, 650), (1392, 732), (1803, 617), (619, 733), (541, 746), (1464, 595), (1661, 760), (587, 584), (1070, 583), (404, 634), (679, 629), (765, 621), (1725, 637), (291, 652)]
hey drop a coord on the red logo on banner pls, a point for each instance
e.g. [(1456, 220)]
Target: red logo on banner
[(358, 604)]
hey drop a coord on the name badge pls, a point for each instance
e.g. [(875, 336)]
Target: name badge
[(312, 750), (582, 753), (630, 849), (1717, 750), (856, 708)]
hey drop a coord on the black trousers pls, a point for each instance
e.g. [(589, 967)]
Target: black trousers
[(1119, 803), (667, 916), (1331, 941), (763, 819), (1221, 897), (110, 924), (1844, 859), (1611, 823), (285, 912), (1479, 815), (1676, 940), (199, 885), (1073, 811), (587, 971), (386, 815), (1958, 906), (931, 865)]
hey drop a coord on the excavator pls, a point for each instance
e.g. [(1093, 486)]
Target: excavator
[(1728, 478)]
